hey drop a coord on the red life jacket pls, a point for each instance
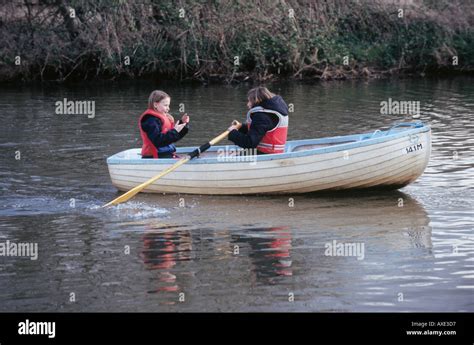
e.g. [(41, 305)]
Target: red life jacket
[(148, 149), (275, 139)]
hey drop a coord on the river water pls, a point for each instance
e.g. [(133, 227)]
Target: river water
[(231, 253)]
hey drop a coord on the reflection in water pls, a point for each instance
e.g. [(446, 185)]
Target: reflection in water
[(393, 226), (162, 250), (270, 251)]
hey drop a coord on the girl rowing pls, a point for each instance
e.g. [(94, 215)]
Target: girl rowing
[(158, 128), (266, 127)]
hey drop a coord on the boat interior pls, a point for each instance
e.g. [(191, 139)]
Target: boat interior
[(310, 144)]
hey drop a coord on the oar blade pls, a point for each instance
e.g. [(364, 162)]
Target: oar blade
[(134, 191), (124, 197)]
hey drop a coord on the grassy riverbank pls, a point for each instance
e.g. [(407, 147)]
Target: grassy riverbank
[(234, 40)]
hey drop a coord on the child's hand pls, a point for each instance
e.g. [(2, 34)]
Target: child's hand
[(231, 128), (235, 125), (179, 126), (185, 118)]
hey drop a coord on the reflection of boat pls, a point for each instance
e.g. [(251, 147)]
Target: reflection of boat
[(391, 158), (392, 220), (371, 212), (222, 247)]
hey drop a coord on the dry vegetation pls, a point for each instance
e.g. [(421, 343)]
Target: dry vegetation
[(200, 40)]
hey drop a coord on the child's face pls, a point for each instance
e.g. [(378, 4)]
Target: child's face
[(163, 106), (249, 105)]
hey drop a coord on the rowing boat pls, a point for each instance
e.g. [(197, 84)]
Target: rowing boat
[(390, 158)]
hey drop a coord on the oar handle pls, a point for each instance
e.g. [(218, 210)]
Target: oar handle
[(214, 141)]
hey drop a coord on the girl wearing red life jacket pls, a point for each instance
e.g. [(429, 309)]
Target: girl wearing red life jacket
[(266, 127), (158, 129)]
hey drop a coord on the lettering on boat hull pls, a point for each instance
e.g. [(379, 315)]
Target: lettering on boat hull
[(413, 148)]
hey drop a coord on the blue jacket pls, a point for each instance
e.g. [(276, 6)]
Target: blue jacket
[(163, 142)]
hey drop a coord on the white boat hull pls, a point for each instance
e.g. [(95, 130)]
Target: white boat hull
[(384, 161)]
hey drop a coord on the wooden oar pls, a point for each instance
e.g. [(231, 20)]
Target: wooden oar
[(132, 192)]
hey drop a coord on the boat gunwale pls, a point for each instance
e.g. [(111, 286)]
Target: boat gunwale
[(382, 136)]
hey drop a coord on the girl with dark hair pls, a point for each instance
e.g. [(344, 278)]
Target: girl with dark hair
[(266, 127)]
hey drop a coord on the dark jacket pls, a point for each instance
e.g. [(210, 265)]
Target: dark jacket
[(163, 142), (261, 124)]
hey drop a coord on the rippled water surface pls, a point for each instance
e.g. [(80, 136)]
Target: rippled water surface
[(204, 253)]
